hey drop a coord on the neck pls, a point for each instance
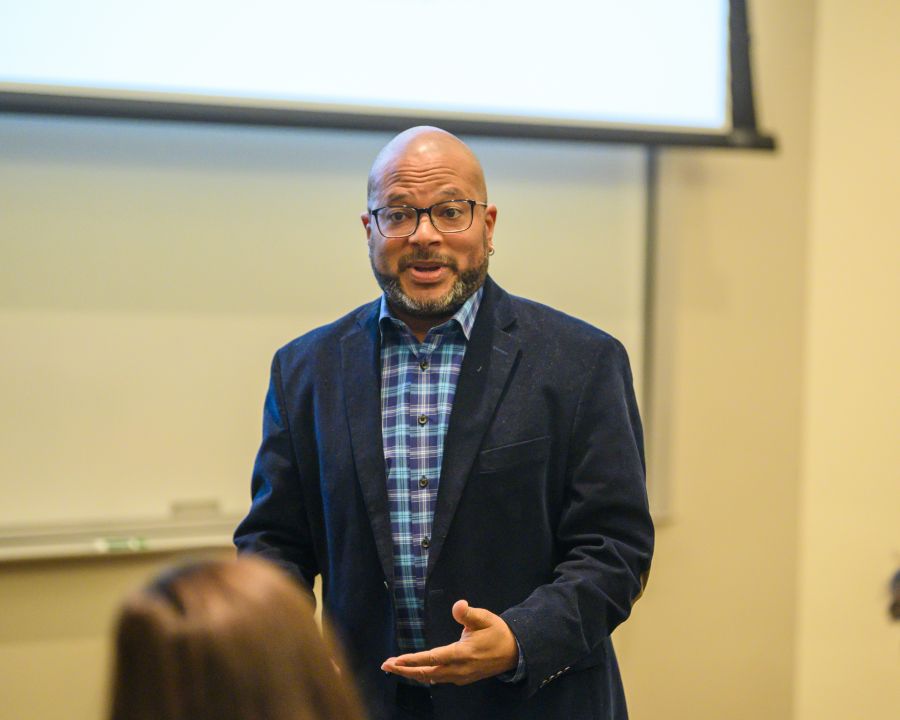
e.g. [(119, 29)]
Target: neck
[(418, 325)]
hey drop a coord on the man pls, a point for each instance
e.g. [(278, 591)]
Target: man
[(463, 467)]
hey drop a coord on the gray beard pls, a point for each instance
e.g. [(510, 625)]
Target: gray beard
[(467, 283)]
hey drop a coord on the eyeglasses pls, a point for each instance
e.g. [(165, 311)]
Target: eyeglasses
[(449, 216)]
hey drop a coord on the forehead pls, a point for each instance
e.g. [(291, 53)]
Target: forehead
[(425, 176)]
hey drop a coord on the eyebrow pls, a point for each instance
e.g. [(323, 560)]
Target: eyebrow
[(450, 193)]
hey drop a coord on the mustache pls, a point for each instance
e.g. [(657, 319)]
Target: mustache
[(418, 256)]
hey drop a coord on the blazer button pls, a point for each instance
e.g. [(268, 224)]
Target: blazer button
[(423, 419)]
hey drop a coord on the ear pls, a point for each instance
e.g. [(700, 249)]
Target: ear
[(367, 224), (490, 220)]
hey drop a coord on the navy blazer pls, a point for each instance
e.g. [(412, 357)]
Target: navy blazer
[(541, 512)]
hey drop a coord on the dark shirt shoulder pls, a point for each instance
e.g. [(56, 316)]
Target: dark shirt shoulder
[(556, 333), (316, 355), (327, 338)]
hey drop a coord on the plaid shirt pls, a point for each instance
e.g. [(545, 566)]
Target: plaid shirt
[(418, 383)]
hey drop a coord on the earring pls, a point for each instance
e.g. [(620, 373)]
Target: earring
[(491, 251)]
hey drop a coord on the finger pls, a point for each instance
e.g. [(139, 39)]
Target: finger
[(472, 618), (426, 675), (459, 611), (438, 675), (444, 655)]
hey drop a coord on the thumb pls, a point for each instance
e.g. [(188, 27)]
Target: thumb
[(470, 617)]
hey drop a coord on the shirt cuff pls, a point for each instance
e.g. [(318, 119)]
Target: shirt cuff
[(514, 676)]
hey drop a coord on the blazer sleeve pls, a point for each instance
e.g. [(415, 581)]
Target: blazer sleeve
[(604, 536), (277, 526)]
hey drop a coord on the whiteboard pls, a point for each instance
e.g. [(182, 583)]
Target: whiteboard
[(148, 272)]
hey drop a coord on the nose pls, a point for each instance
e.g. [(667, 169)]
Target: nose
[(426, 232)]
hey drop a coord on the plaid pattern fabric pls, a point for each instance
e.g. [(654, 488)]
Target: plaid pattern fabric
[(418, 383)]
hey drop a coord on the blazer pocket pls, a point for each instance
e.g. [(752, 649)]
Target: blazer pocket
[(506, 456)]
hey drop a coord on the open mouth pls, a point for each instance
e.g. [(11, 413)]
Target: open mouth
[(431, 269), (427, 272), (425, 266)]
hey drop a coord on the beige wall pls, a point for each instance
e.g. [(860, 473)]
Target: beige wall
[(848, 651), (713, 636), (778, 383)]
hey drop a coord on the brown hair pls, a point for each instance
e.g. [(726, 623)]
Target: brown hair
[(230, 640)]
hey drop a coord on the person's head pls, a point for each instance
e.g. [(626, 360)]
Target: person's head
[(230, 640), (428, 265)]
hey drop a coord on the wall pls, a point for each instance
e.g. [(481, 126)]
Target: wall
[(778, 385), (848, 651), (713, 636)]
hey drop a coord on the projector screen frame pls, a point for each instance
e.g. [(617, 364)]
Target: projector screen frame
[(743, 133)]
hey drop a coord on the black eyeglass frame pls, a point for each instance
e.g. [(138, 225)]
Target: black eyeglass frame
[(420, 211)]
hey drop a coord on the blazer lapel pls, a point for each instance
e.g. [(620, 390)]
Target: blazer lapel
[(490, 356), (360, 369)]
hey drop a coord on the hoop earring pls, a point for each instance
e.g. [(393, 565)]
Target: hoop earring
[(491, 251)]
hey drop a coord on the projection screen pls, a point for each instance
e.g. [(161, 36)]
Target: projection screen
[(577, 69)]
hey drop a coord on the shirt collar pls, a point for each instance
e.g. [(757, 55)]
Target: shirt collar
[(464, 317)]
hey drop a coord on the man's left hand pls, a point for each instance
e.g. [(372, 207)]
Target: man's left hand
[(486, 648)]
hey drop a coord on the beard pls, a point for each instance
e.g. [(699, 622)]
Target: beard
[(466, 284)]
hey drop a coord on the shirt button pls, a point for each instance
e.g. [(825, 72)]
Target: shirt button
[(426, 542), (423, 482), (423, 419), (424, 364)]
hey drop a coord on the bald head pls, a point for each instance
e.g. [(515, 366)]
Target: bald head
[(428, 272), (425, 144)]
